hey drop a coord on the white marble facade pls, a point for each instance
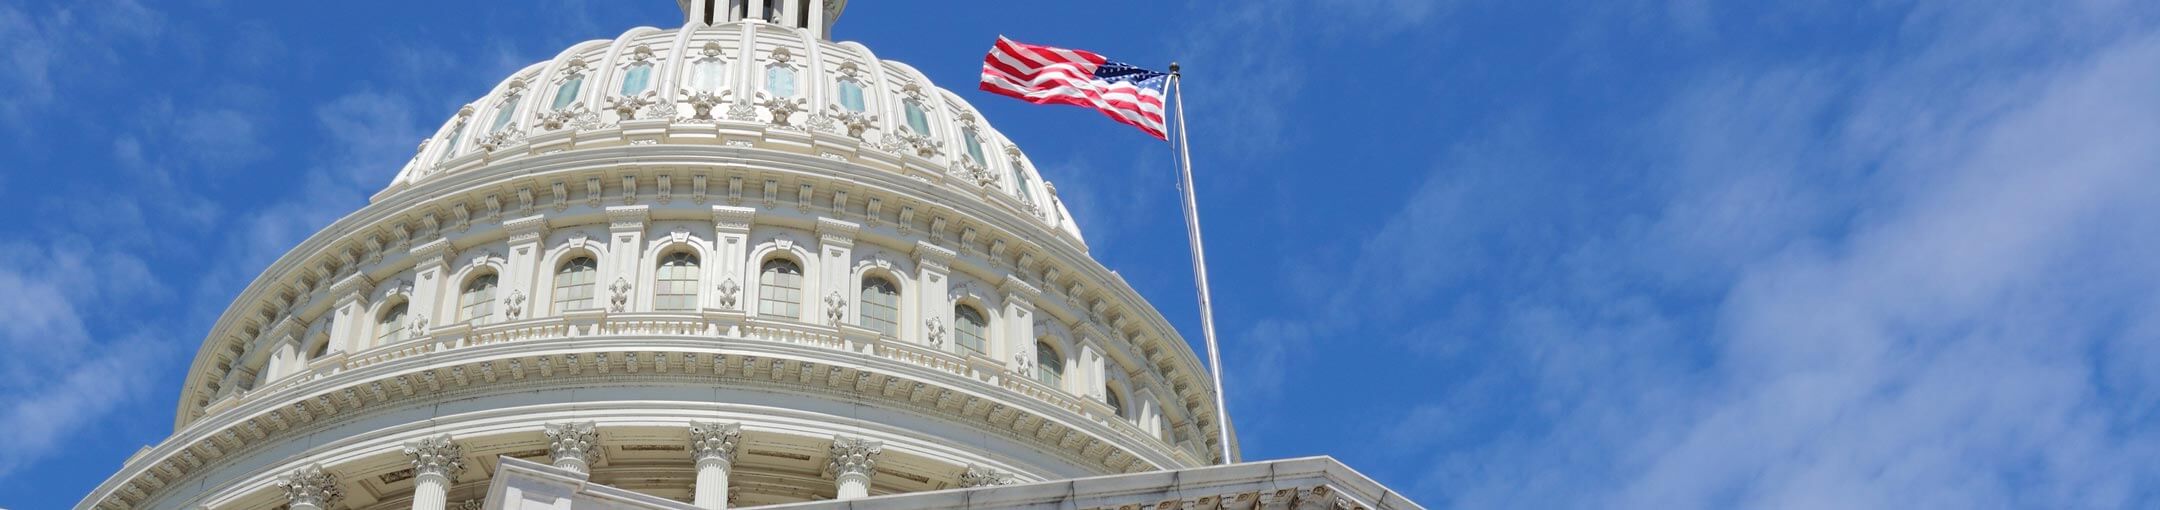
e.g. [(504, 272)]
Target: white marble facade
[(732, 263)]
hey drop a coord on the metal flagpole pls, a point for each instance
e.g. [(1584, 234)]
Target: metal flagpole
[(1199, 261)]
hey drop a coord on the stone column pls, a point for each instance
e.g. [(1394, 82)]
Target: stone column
[(573, 446), (310, 488), (712, 445), (852, 462), (1017, 344), (436, 463), (836, 244)]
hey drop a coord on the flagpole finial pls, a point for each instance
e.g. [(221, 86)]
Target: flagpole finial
[(1173, 68)]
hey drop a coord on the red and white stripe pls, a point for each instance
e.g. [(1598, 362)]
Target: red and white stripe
[(1046, 75)]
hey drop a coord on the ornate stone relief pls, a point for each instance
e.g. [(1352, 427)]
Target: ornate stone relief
[(310, 487), (835, 308), (702, 103), (515, 305), (573, 443), (713, 440), (626, 108), (934, 331), (620, 299), (728, 290), (436, 455), (782, 109), (978, 476), (853, 456)]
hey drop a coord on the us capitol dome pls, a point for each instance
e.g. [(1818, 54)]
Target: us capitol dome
[(729, 264)]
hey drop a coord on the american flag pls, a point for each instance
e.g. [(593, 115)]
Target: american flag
[(1046, 75)]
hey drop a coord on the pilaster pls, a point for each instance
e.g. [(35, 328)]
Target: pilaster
[(431, 267), (626, 258), (523, 274), (351, 312), (933, 264), (1019, 331), (731, 239), (836, 246)]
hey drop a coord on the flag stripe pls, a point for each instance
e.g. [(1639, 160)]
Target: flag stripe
[(1048, 75)]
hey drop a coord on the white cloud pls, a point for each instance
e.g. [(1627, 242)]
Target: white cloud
[(58, 379)]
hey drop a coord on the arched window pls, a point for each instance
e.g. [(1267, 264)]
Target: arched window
[(1117, 404), (974, 146), (916, 118), (504, 113), (780, 81), (676, 288), (567, 92), (1049, 365), (390, 324), (636, 79), (772, 10), (477, 301), (851, 96), (880, 306), (574, 284), (449, 146), (970, 329), (780, 289)]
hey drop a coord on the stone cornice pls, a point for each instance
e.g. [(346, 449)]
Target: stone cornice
[(733, 219), (623, 218), (436, 252), (1016, 287), (832, 231), (526, 229), (934, 257)]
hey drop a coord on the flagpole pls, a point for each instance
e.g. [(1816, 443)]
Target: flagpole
[(1199, 259)]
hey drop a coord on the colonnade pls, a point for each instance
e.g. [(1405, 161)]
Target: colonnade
[(438, 460)]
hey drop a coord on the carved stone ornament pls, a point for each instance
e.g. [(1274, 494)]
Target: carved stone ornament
[(978, 476), (505, 137), (728, 291), (310, 487), (437, 455), (713, 440), (621, 297), (577, 443), (782, 108), (575, 115), (835, 308), (418, 327), (921, 143), (855, 122), (742, 109), (934, 330), (626, 108), (515, 305), (853, 456), (702, 103), (1023, 366)]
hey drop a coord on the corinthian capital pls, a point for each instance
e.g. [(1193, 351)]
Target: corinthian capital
[(310, 487), (853, 456), (978, 476), (573, 446), (714, 441), (436, 455)]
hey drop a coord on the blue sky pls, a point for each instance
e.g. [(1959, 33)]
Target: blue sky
[(1612, 254)]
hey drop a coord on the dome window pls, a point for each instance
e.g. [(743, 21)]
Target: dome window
[(970, 329), (780, 80), (567, 93), (880, 306), (574, 284), (449, 147), (916, 118), (477, 301), (851, 96), (780, 289), (1050, 366), (636, 79), (504, 113), (677, 287), (974, 146), (1116, 403)]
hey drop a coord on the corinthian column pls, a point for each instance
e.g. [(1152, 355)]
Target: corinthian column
[(852, 462), (436, 463), (310, 488), (574, 446), (978, 476), (712, 445)]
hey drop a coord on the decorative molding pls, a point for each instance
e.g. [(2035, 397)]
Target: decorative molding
[(574, 446), (979, 476), (714, 441), (310, 487), (436, 455)]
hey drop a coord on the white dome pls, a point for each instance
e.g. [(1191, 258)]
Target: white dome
[(852, 294)]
